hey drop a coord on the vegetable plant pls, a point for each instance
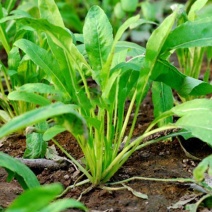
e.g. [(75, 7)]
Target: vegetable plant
[(17, 70), (191, 59), (96, 116), (37, 197)]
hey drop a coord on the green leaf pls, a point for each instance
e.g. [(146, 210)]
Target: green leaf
[(184, 85), (162, 101), (35, 146), (62, 204), (190, 34), (52, 132), (38, 87), (4, 116), (38, 115), (28, 97), (133, 48), (98, 37), (193, 106), (59, 35), (203, 166), (43, 59), (106, 69), (124, 26), (49, 11), (199, 124), (157, 40), (153, 49), (196, 6), (22, 173), (36, 198)]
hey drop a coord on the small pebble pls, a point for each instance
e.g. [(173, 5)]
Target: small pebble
[(161, 153), (167, 152), (66, 177)]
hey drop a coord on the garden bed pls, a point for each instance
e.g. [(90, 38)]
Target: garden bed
[(164, 160)]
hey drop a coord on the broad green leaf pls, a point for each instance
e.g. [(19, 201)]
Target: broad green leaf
[(28, 97), (35, 146), (193, 106), (52, 132), (49, 11), (35, 199), (204, 166), (16, 169), (60, 36), (196, 6), (38, 115), (190, 34), (38, 87), (62, 204), (162, 101), (125, 50), (199, 124), (120, 56), (168, 74), (98, 37), (43, 59)]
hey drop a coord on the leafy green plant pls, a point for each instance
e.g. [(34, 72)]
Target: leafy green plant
[(16, 71), (203, 175), (190, 54), (191, 59), (16, 169), (38, 197), (96, 116)]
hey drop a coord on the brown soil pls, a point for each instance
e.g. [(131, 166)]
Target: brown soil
[(165, 160)]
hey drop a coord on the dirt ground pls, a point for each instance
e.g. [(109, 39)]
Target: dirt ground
[(164, 160)]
